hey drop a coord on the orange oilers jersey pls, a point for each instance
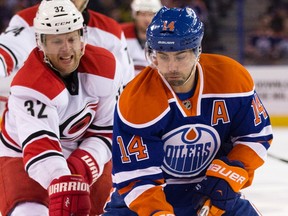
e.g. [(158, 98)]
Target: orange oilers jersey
[(49, 117), (158, 141)]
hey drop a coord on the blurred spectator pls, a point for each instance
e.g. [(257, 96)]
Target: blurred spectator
[(269, 42), (209, 16), (9, 7), (199, 6), (221, 7), (5, 15), (118, 10)]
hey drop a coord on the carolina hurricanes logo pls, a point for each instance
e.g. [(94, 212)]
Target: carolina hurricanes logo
[(189, 149), (78, 123)]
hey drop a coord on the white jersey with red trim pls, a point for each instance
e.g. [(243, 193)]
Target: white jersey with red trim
[(136, 51), (18, 40), (48, 117)]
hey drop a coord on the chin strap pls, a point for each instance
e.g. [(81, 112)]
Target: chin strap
[(192, 71)]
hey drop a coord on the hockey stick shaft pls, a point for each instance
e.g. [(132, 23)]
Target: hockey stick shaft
[(278, 158)]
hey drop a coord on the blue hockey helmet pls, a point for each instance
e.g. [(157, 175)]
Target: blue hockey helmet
[(175, 29)]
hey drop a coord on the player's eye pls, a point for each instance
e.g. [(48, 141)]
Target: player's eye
[(163, 57)]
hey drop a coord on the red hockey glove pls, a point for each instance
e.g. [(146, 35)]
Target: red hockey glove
[(82, 163), (222, 184), (69, 195)]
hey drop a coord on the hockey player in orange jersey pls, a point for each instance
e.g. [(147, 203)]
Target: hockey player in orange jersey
[(57, 127), (189, 130)]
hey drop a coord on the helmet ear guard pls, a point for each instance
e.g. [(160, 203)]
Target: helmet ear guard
[(150, 56), (197, 51)]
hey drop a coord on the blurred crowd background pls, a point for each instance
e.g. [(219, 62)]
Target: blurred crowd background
[(252, 32)]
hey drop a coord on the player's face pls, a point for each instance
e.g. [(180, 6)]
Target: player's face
[(80, 4), (142, 20), (64, 51), (176, 67)]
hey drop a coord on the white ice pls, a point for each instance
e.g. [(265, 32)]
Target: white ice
[(269, 191)]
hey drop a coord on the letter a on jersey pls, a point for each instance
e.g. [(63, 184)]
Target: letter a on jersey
[(219, 112)]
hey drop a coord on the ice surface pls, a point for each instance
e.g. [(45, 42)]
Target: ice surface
[(269, 191)]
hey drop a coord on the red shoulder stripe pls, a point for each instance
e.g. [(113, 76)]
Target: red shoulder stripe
[(9, 60), (98, 61), (28, 14), (129, 30), (37, 75), (104, 23)]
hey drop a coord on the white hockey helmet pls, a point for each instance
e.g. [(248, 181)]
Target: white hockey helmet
[(146, 5), (57, 17)]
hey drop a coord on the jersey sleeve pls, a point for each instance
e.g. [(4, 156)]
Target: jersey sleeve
[(98, 138), (37, 126), (137, 156), (251, 135), (103, 83), (16, 42), (126, 60)]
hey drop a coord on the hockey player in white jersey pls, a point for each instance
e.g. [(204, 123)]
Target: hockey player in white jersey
[(57, 127), (135, 32), (18, 40)]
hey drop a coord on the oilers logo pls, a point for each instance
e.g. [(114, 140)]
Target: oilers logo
[(189, 149)]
